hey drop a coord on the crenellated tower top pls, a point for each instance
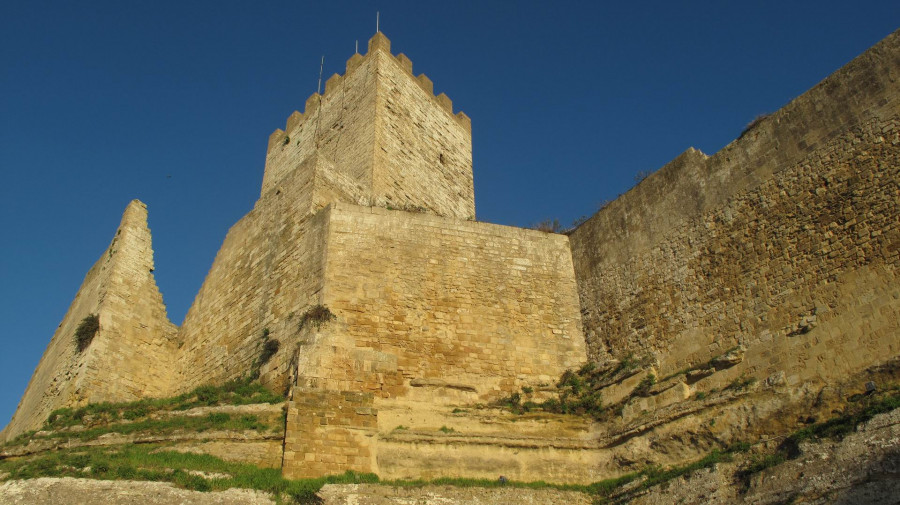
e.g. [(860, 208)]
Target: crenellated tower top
[(377, 136)]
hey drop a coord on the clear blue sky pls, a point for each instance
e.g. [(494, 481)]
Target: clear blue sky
[(172, 103)]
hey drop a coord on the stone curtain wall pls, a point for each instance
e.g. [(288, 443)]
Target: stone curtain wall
[(267, 273), (786, 241), (424, 301), (129, 357)]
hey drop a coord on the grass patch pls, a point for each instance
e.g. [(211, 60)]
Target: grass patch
[(710, 363), (108, 417), (148, 463), (741, 383), (643, 387), (407, 207), (656, 475), (753, 124), (154, 463), (217, 420)]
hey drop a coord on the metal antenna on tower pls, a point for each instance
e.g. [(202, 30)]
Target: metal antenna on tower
[(321, 66), (357, 46), (377, 16)]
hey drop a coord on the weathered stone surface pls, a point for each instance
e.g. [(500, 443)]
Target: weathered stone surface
[(69, 491), (334, 494), (785, 241)]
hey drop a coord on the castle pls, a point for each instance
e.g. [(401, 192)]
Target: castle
[(776, 259)]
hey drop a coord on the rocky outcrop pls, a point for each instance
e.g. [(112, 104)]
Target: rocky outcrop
[(69, 491), (863, 468)]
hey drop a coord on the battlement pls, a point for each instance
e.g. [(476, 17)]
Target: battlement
[(378, 42), (337, 125)]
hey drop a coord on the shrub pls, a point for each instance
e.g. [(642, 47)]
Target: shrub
[(208, 395), (317, 315), (548, 226), (269, 350), (86, 331)]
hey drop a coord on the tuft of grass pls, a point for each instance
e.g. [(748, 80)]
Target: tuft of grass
[(408, 207), (753, 124), (741, 383), (549, 226), (643, 387), (269, 350)]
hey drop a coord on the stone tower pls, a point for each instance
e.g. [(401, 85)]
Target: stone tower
[(367, 208), (378, 136)]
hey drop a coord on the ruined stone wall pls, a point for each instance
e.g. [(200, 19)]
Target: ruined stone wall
[(129, 357), (426, 301), (786, 241)]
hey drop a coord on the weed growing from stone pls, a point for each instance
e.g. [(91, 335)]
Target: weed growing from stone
[(740, 384), (643, 387), (578, 392), (408, 207), (317, 315), (87, 329)]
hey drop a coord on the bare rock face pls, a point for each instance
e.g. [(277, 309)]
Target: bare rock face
[(69, 491)]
